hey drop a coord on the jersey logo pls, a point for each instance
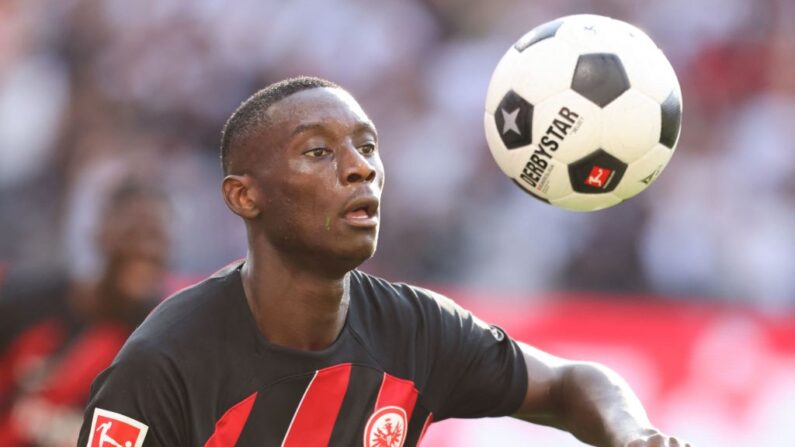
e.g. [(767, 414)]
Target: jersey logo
[(386, 428), (497, 333), (109, 429)]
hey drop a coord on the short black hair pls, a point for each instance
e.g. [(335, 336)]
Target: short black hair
[(251, 113)]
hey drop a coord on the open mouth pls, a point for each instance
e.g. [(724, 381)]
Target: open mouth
[(362, 212), (358, 213)]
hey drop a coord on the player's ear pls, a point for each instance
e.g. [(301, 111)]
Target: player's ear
[(240, 195)]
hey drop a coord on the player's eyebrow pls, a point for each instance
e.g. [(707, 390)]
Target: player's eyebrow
[(360, 127), (307, 127), (366, 126)]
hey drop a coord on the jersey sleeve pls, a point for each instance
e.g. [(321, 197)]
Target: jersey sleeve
[(138, 399), (477, 371)]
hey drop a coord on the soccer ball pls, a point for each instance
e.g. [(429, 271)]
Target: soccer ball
[(583, 112)]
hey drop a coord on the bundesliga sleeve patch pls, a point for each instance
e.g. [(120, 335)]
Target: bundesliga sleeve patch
[(109, 429)]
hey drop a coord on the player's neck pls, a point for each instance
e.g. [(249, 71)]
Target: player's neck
[(294, 307)]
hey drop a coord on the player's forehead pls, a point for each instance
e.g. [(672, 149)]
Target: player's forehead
[(318, 107)]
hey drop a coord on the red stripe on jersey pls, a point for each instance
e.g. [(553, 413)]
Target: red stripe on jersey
[(397, 392), (317, 412), (229, 427)]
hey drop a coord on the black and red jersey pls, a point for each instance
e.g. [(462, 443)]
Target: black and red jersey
[(198, 372)]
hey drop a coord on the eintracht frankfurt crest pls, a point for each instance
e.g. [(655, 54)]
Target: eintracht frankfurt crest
[(386, 428)]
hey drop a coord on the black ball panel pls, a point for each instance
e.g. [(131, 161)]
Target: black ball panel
[(598, 172), (514, 120), (600, 77), (671, 119)]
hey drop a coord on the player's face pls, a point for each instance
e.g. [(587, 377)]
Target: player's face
[(321, 178)]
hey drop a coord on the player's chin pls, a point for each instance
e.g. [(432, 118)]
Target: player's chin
[(365, 246), (357, 248)]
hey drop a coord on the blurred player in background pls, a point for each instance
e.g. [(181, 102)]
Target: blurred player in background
[(58, 333), (295, 347)]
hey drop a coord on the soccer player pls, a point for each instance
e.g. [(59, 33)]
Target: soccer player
[(295, 347)]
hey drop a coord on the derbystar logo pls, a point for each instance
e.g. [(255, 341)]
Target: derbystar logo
[(599, 177), (537, 167), (109, 429)]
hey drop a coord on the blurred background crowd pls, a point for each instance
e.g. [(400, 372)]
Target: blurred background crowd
[(95, 90), (101, 98)]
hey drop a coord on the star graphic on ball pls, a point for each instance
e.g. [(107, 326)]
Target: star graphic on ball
[(510, 122)]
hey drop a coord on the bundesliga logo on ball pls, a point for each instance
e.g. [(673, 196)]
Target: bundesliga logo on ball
[(583, 112)]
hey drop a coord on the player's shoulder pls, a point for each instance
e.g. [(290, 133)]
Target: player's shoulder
[(389, 296), (194, 319), (399, 321)]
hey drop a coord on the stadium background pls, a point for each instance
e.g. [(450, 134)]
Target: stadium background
[(688, 289)]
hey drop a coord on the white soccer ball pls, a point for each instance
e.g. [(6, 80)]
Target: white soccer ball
[(583, 112)]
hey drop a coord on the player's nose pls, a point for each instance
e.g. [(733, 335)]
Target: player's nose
[(356, 167)]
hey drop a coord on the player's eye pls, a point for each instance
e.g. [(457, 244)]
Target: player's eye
[(367, 149), (317, 152)]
